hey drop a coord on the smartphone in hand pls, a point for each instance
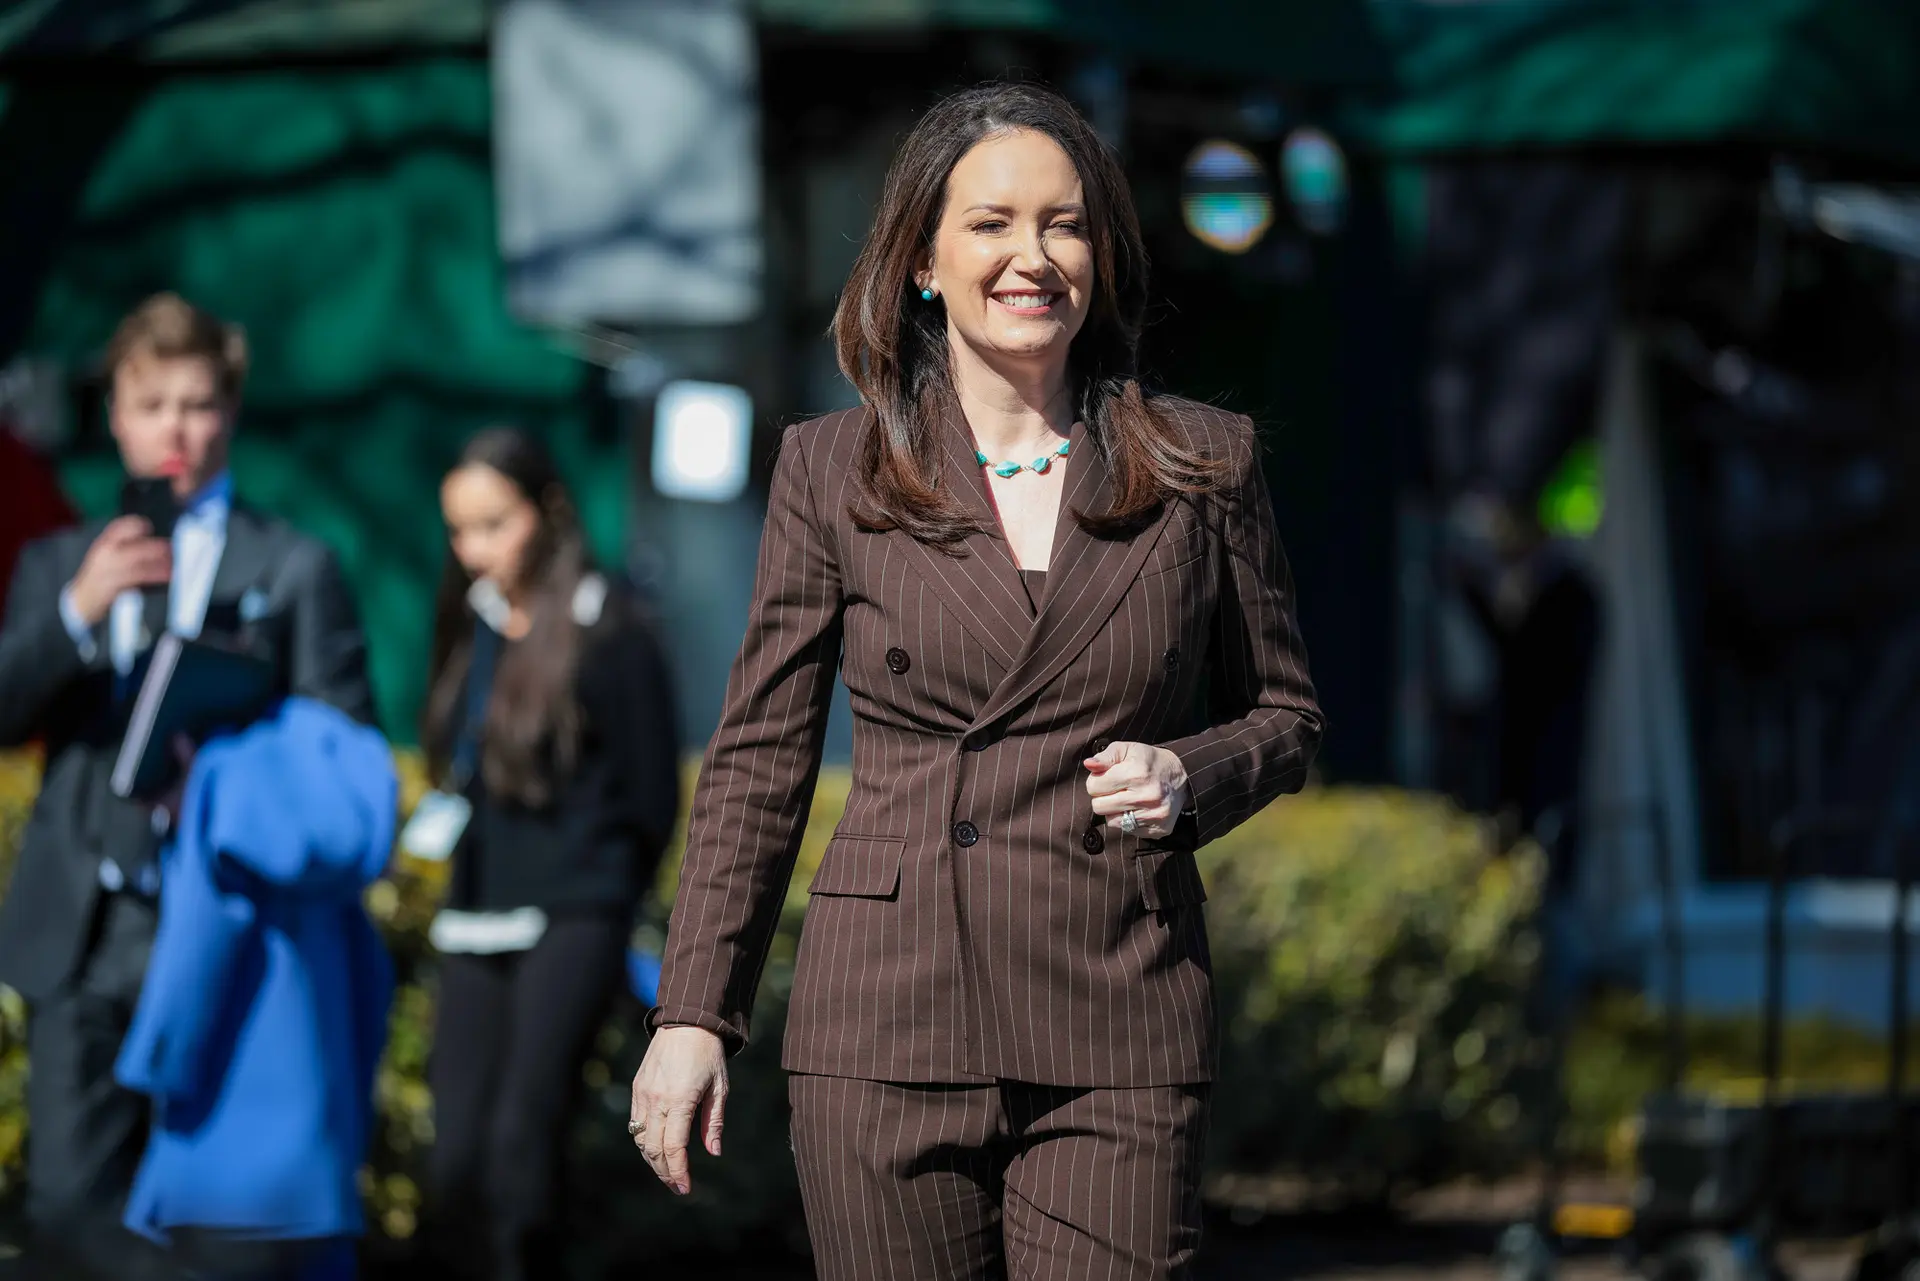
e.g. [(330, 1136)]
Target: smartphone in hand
[(151, 497)]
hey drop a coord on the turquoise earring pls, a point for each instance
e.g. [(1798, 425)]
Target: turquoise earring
[(926, 295)]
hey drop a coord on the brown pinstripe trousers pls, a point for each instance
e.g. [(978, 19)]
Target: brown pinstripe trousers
[(1015, 1181)]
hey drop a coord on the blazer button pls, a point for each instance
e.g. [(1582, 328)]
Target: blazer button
[(965, 834), (897, 661), (977, 742), (1171, 661), (1093, 840)]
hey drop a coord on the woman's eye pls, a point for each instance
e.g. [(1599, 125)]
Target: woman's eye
[(1067, 228), (991, 225)]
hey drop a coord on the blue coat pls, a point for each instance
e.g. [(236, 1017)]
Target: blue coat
[(265, 1005)]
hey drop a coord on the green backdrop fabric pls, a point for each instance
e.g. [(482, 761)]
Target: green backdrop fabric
[(1841, 75), (355, 241)]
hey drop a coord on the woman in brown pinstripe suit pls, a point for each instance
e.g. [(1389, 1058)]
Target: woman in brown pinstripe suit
[(1063, 615)]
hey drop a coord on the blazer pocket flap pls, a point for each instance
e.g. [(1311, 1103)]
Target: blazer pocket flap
[(1183, 542), (1165, 560), (860, 866), (1169, 879)]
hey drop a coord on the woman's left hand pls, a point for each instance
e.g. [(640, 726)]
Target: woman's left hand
[(1149, 781)]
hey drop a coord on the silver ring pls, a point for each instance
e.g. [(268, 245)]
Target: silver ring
[(1129, 823), (635, 1127)]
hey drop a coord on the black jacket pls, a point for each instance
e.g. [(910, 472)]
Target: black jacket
[(309, 630), (597, 844)]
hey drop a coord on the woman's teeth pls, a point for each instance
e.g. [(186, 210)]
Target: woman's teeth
[(1026, 302)]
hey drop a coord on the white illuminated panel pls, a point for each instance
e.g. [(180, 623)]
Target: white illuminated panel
[(701, 434)]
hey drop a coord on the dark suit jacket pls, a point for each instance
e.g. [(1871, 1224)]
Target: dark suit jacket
[(309, 629), (971, 919)]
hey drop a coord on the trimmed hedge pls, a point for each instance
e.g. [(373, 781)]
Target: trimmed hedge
[(1372, 953), (1372, 956)]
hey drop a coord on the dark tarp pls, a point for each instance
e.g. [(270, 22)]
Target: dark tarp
[(1841, 75), (1520, 266)]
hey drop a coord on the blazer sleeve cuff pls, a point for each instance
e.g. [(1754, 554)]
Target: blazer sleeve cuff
[(664, 1016), (1221, 783), (77, 627), (1185, 835), (57, 648)]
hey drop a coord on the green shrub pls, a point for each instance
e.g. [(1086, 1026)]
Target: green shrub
[(1372, 955)]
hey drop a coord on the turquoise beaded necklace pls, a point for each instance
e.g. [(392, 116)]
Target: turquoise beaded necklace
[(1009, 469)]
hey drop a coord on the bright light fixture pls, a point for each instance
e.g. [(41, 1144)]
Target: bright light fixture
[(1225, 197), (701, 434)]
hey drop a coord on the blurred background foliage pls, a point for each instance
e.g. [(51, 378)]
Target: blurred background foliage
[(1373, 951)]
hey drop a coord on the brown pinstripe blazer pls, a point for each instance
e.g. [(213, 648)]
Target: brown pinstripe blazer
[(970, 919)]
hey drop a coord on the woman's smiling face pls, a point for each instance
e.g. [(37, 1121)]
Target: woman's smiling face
[(1012, 261)]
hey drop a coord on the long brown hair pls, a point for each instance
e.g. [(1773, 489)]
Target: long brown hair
[(892, 344), (532, 731)]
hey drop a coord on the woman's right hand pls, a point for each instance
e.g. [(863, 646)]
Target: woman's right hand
[(683, 1076)]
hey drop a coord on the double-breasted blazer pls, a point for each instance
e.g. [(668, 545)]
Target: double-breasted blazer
[(972, 919)]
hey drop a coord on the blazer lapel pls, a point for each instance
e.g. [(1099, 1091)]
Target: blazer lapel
[(1086, 580), (981, 588), (243, 563)]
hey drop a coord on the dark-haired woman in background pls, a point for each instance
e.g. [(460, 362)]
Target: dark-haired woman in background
[(550, 725), (1062, 612)]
